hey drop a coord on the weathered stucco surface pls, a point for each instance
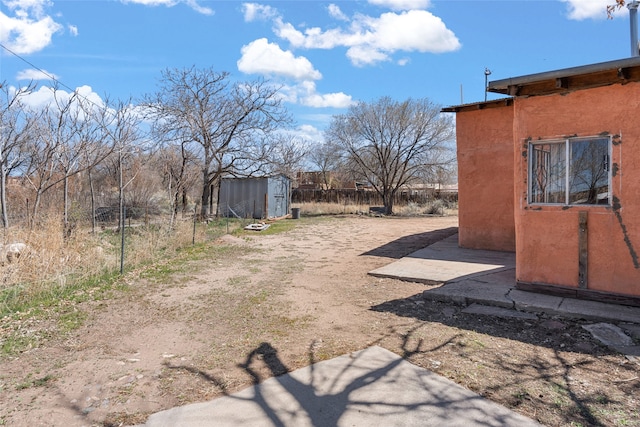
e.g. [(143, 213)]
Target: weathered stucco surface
[(485, 181), (494, 212), (547, 236)]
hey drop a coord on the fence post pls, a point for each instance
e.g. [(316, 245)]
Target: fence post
[(122, 226), (195, 220)]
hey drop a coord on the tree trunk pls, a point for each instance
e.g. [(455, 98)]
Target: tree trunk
[(211, 191), (36, 207), (205, 200), (387, 201), (185, 201), (176, 203)]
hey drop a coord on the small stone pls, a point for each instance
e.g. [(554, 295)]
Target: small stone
[(634, 359), (553, 325), (608, 334)]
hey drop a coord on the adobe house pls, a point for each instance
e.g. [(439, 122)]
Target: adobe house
[(553, 173)]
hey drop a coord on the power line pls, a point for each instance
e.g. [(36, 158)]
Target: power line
[(53, 78)]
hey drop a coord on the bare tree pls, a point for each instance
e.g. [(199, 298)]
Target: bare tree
[(227, 122), (56, 127), (286, 154), (16, 123), (388, 143), (121, 124), (178, 168), (611, 8), (64, 145), (326, 157)]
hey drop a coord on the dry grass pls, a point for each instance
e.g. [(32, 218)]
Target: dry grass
[(436, 207), (55, 273), (53, 260), (53, 263)]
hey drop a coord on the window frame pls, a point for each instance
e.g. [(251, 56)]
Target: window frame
[(567, 169)]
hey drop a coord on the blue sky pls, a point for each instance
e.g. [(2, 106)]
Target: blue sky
[(326, 55)]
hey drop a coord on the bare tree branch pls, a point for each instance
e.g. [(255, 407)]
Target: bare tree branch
[(389, 143)]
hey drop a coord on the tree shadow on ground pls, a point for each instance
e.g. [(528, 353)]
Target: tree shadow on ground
[(372, 386), (403, 246), (562, 351)]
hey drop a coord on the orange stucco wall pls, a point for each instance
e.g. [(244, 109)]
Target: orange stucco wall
[(547, 236), (485, 178)]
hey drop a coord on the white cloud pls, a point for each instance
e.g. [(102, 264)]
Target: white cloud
[(262, 57), (40, 98), (86, 92), (362, 55), (305, 93), (33, 74), (336, 13), (588, 9), (254, 12), (402, 4), (170, 3), (32, 7), (30, 29), (333, 100), (47, 96), (307, 132), (193, 4), (73, 30), (371, 40)]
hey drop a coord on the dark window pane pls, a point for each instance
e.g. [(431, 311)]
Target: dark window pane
[(589, 171), (548, 173)]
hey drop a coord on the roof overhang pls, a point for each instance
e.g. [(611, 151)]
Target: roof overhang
[(569, 79), (504, 102)]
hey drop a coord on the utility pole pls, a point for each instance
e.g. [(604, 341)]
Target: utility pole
[(633, 26)]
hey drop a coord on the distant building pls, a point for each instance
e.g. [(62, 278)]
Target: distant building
[(257, 198)]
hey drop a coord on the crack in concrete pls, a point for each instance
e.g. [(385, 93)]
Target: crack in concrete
[(507, 295)]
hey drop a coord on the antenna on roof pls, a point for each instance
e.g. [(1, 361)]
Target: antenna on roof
[(487, 73), (633, 26)]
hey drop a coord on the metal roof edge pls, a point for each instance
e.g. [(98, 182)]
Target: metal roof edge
[(502, 102), (501, 86)]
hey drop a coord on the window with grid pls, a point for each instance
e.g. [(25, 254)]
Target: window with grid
[(573, 171)]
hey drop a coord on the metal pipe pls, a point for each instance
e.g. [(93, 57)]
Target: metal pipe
[(633, 26)]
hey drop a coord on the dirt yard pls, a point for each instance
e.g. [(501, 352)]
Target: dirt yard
[(174, 338)]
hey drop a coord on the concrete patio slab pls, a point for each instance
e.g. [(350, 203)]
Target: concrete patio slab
[(371, 387), (445, 261), (468, 276)]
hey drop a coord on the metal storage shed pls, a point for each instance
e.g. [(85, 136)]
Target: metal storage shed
[(257, 198)]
